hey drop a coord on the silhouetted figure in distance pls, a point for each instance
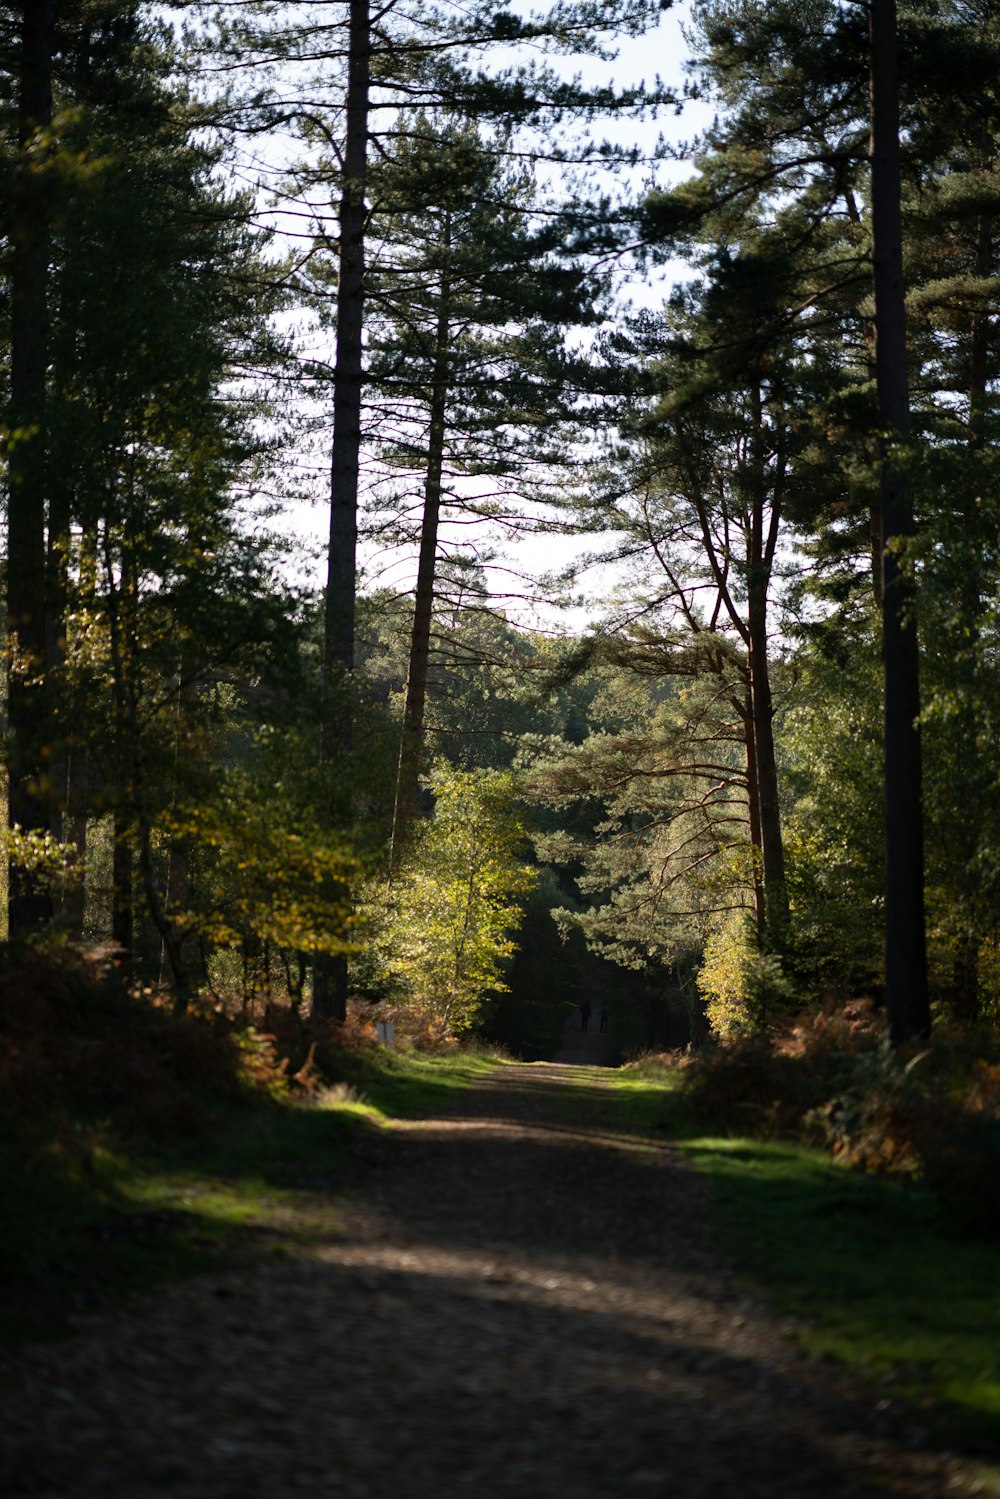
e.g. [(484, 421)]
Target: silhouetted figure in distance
[(585, 1014)]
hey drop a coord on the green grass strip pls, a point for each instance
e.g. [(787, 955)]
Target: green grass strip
[(875, 1276), (91, 1215), (871, 1271)]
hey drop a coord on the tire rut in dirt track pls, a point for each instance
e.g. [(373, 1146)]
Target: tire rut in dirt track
[(520, 1303)]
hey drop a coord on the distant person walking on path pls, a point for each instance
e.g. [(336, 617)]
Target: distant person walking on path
[(605, 1015), (585, 1014)]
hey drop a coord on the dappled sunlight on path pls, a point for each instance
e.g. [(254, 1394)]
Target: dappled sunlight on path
[(522, 1301)]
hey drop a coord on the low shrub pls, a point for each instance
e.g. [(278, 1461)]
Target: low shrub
[(75, 1042), (743, 988), (769, 1082)]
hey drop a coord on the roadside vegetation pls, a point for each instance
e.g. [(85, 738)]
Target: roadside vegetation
[(857, 1188), (138, 1146)]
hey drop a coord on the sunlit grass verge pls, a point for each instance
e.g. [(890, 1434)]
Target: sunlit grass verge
[(415, 1085), (874, 1273), (135, 1148), (92, 1214), (619, 1100)]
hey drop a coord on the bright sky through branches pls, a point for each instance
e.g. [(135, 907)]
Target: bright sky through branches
[(517, 563)]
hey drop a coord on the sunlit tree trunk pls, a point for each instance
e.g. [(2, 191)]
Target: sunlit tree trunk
[(745, 711), (761, 543)]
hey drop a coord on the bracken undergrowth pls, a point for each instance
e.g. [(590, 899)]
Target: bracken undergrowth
[(929, 1111)]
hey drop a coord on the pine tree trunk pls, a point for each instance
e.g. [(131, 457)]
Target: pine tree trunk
[(905, 938), (411, 743), (347, 386), (768, 805), (745, 711), (330, 974), (29, 906)]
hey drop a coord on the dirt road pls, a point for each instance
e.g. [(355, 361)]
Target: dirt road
[(523, 1301)]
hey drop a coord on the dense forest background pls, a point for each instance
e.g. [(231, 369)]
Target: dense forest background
[(261, 256)]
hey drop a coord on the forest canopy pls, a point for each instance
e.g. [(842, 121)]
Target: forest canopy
[(395, 267)]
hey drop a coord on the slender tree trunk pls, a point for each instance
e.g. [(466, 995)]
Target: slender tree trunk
[(170, 940), (29, 906), (80, 768), (769, 807), (745, 711), (131, 814), (56, 604), (411, 743), (760, 559), (347, 388), (905, 937), (177, 893), (74, 896), (67, 756), (330, 975)]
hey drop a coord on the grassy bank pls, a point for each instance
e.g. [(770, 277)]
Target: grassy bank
[(875, 1275), (93, 1213), (137, 1148)]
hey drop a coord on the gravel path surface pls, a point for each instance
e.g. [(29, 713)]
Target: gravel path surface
[(522, 1302)]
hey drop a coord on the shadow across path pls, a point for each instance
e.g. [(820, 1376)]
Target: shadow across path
[(523, 1301)]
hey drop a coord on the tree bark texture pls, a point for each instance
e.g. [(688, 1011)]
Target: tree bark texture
[(330, 974), (905, 937), (347, 387), (29, 905), (411, 742), (760, 562), (745, 711)]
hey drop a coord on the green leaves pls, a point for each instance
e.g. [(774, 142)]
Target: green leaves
[(261, 877), (444, 929)]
